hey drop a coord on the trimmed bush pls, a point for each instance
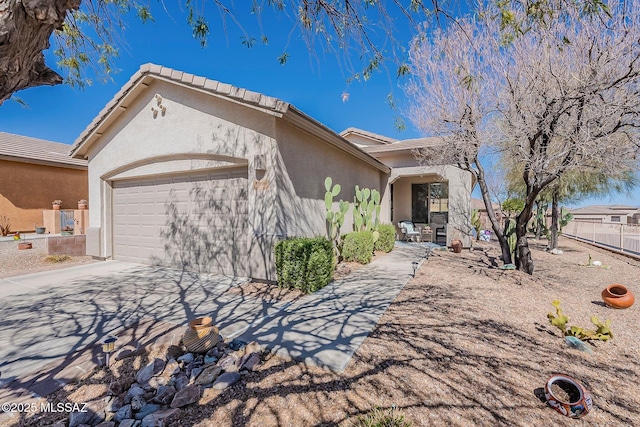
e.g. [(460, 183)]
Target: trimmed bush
[(304, 263), (358, 246), (387, 238)]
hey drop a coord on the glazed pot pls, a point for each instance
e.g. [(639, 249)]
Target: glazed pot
[(575, 401), (617, 296), (201, 335), (456, 244)]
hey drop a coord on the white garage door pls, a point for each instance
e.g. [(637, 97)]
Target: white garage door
[(197, 222)]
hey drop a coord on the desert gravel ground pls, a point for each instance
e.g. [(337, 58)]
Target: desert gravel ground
[(464, 344), (14, 262)]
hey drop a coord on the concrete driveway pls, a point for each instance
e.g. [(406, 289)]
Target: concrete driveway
[(48, 315)]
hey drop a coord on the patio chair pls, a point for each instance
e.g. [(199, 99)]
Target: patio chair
[(409, 230)]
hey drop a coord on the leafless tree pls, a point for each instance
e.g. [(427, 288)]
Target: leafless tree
[(562, 96)]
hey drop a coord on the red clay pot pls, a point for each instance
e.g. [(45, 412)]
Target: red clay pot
[(456, 244), (617, 296)]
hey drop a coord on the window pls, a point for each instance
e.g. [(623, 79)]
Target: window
[(615, 218), (427, 199)]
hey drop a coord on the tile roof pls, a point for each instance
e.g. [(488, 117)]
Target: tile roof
[(34, 150), (605, 210), (381, 138), (140, 79), (407, 144)]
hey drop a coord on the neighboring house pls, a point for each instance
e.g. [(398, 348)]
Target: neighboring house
[(484, 217), (33, 173), (439, 196), (193, 173), (614, 214)]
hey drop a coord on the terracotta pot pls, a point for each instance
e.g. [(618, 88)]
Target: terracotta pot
[(82, 206), (579, 402), (456, 244), (24, 245), (617, 296), (201, 335), (56, 207)]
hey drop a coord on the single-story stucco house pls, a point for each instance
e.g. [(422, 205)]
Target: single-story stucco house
[(34, 173), (193, 173), (614, 214)]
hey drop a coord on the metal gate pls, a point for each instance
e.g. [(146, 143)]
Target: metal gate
[(67, 220)]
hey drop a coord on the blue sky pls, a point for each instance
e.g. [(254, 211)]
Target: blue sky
[(313, 82)]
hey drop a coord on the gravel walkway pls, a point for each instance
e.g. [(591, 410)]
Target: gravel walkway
[(14, 262)]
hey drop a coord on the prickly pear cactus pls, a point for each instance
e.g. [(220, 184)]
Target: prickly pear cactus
[(510, 234), (335, 219)]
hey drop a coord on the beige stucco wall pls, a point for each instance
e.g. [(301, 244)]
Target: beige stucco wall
[(200, 131), (26, 189), (305, 161), (406, 171)]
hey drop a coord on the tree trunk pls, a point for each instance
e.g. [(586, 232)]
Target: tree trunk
[(524, 262), (495, 224), (25, 29), (555, 216)]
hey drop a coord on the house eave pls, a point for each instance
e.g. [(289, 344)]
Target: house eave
[(42, 162)]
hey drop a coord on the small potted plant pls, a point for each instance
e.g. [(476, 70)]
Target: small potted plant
[(67, 231), (82, 204), (56, 204)]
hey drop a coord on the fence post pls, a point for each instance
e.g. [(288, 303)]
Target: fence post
[(622, 237)]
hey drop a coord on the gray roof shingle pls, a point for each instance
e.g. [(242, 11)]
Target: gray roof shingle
[(34, 150)]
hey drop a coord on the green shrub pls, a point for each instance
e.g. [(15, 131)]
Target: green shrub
[(304, 263), (387, 238), (358, 246), (382, 418)]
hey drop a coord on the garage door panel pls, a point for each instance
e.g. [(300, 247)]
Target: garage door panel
[(198, 222)]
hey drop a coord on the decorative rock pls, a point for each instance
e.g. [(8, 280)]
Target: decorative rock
[(249, 361), (161, 418), (208, 376), (228, 364), (61, 423), (174, 352), (186, 358), (180, 381), (186, 396), (94, 414), (107, 424), (156, 382), (126, 352), (135, 390), (237, 344), (555, 251), (146, 410), (165, 394), (253, 347), (123, 413), (172, 368), (128, 423), (214, 352), (151, 370), (210, 359), (137, 403), (118, 387), (194, 374), (115, 404), (226, 380)]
